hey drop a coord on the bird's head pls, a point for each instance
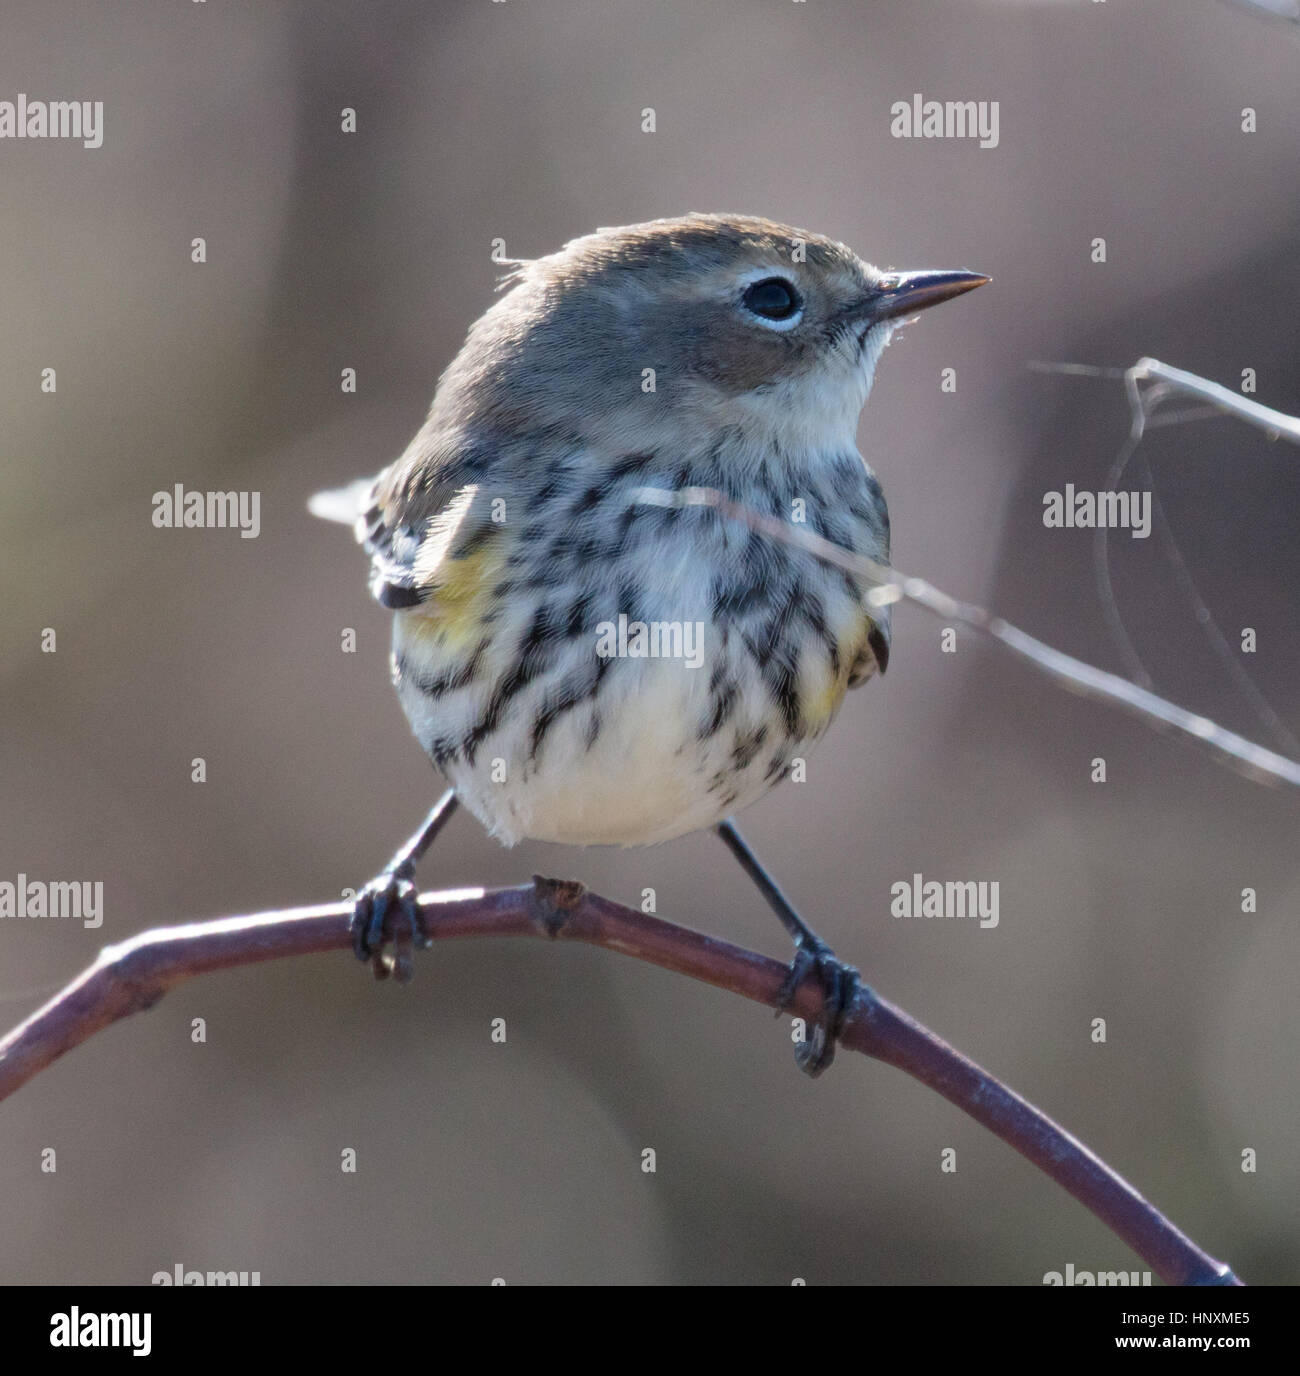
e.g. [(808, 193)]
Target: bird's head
[(686, 325)]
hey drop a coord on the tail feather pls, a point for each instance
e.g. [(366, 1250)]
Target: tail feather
[(342, 504)]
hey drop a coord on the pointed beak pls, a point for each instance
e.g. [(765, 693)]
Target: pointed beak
[(906, 293)]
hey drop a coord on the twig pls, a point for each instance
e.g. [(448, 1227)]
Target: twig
[(1143, 416), (889, 585), (135, 974), (1275, 424)]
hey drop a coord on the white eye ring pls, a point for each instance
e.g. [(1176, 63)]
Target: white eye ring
[(766, 277)]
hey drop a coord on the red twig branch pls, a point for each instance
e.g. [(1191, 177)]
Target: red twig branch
[(135, 974)]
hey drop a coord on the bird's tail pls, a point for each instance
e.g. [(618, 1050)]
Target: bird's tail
[(342, 504)]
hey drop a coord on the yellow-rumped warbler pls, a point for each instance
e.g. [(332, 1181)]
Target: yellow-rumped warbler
[(586, 667)]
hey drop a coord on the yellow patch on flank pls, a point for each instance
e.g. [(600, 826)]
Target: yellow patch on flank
[(819, 704), (820, 707), (461, 591)]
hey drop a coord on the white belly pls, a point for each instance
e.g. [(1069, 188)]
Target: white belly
[(631, 765)]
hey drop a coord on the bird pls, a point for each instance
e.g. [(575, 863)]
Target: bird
[(583, 658)]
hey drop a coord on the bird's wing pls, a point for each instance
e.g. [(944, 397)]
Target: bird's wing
[(417, 514), (876, 649)]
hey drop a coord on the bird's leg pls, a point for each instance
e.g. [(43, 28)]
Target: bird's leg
[(388, 907), (839, 982)]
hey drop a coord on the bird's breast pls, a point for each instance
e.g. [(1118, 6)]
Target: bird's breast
[(615, 672)]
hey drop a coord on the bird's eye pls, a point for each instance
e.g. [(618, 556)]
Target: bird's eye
[(773, 298)]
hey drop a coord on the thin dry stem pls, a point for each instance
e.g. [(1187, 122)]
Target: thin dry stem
[(134, 975)]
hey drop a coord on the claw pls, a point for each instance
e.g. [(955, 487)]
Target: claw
[(839, 984), (388, 911)]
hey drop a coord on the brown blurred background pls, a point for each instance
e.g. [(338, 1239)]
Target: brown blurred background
[(371, 250)]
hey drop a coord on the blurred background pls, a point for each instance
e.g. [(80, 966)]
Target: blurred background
[(370, 250)]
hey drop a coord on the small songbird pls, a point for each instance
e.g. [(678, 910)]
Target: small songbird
[(587, 666)]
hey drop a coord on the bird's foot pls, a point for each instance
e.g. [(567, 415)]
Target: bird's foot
[(839, 986), (387, 915)]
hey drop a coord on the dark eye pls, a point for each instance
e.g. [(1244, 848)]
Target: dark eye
[(773, 298)]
